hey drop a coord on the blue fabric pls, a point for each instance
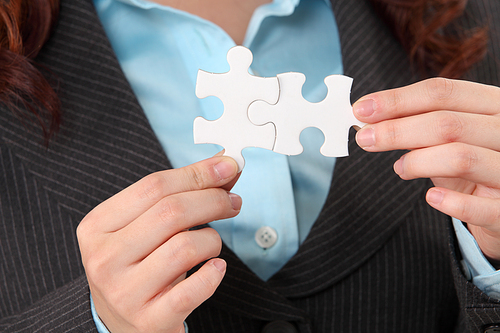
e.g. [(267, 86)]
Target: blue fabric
[(476, 266), (161, 49), (101, 328)]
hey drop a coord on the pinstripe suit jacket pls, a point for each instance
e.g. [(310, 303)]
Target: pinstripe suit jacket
[(378, 259)]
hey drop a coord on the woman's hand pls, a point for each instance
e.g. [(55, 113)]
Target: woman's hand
[(136, 249), (453, 131)]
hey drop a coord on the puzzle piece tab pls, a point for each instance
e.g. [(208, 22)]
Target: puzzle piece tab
[(292, 114), (237, 89)]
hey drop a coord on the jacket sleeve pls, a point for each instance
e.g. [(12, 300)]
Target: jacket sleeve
[(67, 309)]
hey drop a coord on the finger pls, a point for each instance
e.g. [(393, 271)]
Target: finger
[(170, 216), (454, 160), (431, 129), (174, 258), (124, 207), (455, 184), (190, 293), (428, 95), (480, 211), (229, 186)]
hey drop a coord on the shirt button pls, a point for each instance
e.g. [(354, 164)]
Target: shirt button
[(266, 237)]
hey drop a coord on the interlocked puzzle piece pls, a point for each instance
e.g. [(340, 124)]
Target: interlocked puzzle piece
[(237, 89), (292, 114), (271, 113)]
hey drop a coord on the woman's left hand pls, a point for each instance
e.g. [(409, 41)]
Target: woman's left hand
[(452, 129)]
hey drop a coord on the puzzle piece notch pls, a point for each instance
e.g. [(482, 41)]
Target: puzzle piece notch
[(237, 89), (292, 114)]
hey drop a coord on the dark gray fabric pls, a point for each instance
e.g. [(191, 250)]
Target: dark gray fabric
[(376, 260), (105, 144)]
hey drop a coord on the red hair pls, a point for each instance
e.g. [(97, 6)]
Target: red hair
[(24, 28), (425, 28), (430, 34)]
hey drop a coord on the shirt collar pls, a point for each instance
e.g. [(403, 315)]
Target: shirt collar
[(149, 4), (274, 8)]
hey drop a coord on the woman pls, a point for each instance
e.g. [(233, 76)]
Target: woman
[(377, 257)]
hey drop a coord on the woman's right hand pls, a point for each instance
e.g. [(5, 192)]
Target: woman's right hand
[(136, 249)]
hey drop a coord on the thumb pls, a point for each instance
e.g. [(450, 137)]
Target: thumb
[(190, 293)]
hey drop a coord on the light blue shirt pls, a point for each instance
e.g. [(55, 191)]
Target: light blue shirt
[(161, 49)]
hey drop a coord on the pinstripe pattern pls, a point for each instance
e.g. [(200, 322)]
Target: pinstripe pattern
[(376, 260), (105, 144)]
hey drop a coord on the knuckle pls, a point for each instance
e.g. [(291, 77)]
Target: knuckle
[(152, 186), (171, 209), (393, 99), (184, 250), (216, 241), (465, 160), (450, 127), (196, 176), (97, 267), (181, 301), (392, 133), (220, 200), (439, 88), (86, 226), (102, 264), (467, 212), (208, 284), (491, 217), (87, 237), (82, 232), (92, 269)]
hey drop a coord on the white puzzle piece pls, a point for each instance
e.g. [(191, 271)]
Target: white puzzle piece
[(271, 113), (292, 114), (237, 89)]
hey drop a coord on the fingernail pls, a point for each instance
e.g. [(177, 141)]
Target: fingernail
[(398, 166), (225, 169), (220, 153), (235, 201), (364, 108), (365, 137), (434, 196), (220, 265)]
